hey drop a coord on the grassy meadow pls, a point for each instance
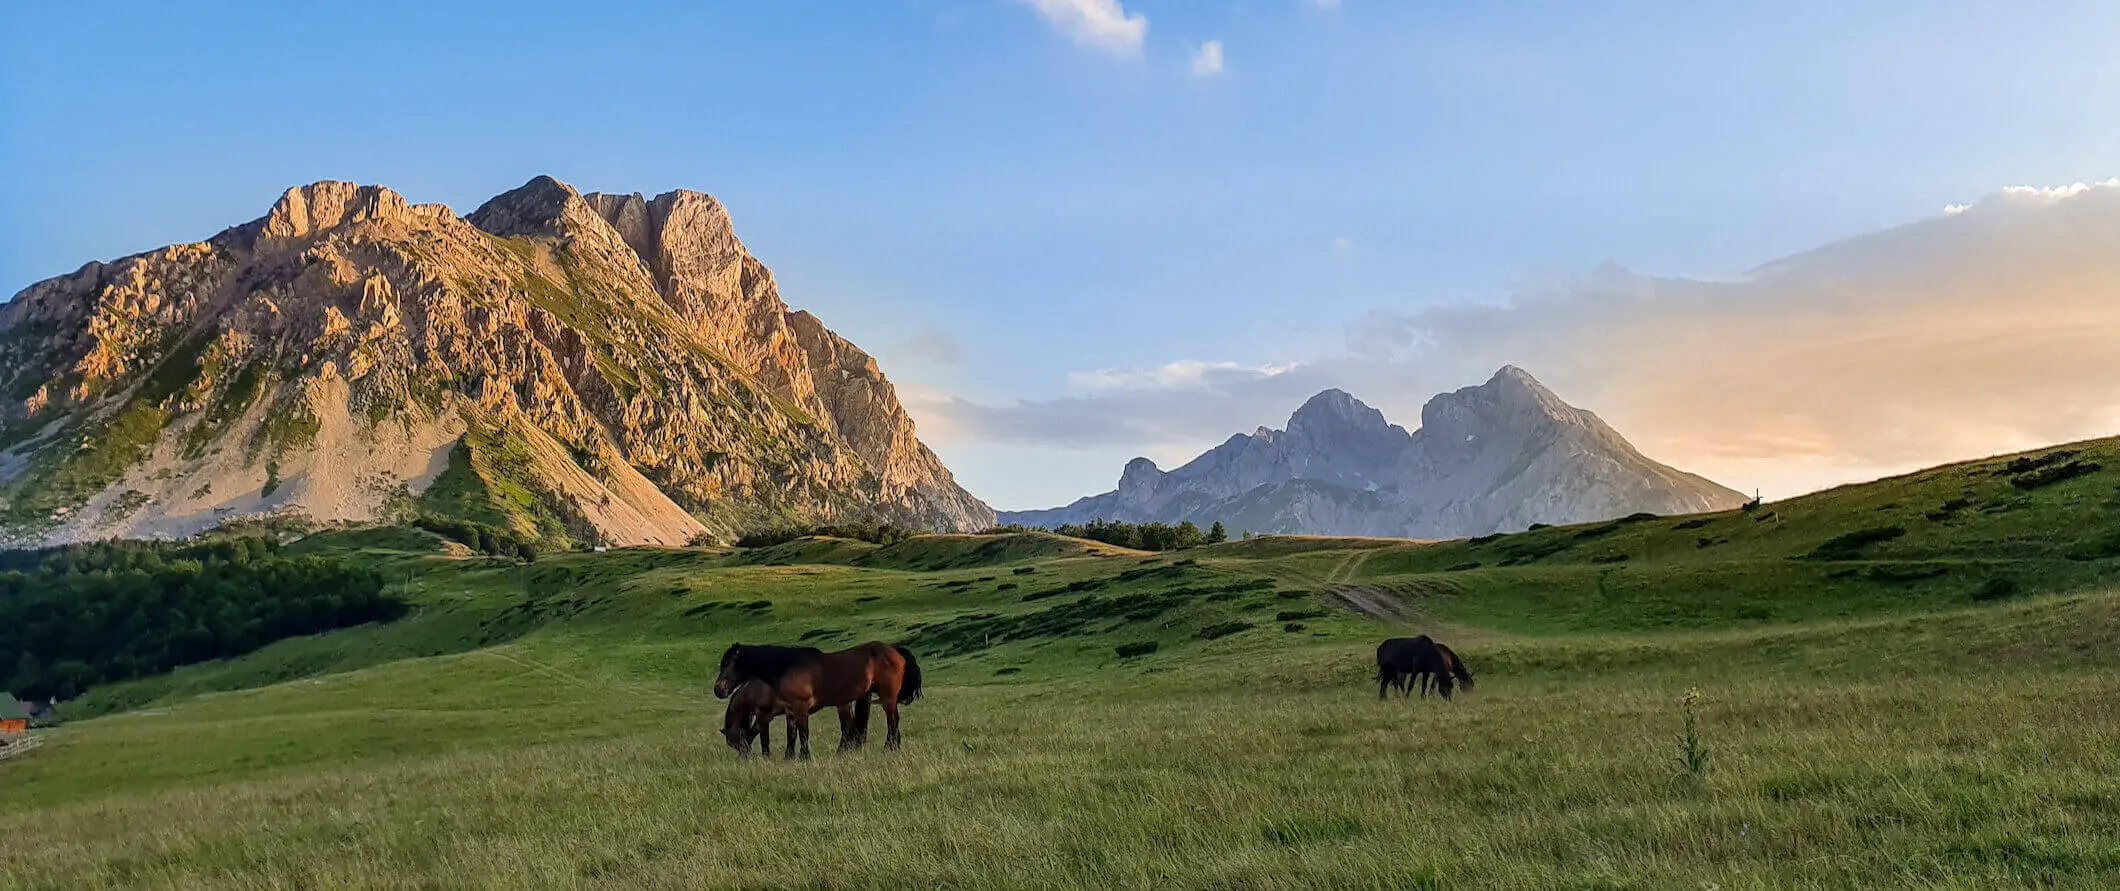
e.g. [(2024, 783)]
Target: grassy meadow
[(1937, 706)]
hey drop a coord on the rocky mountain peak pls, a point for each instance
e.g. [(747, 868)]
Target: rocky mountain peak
[(304, 211), (1139, 481), (576, 368), (1511, 400), (1494, 457), (541, 207), (1335, 411)]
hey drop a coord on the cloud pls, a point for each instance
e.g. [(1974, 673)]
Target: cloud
[(1343, 246), (1990, 329), (1103, 24), (1325, 4), (1185, 374), (931, 345), (1207, 60)]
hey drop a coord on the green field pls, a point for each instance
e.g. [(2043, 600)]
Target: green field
[(1933, 706)]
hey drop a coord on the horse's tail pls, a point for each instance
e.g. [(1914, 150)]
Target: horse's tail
[(909, 690)]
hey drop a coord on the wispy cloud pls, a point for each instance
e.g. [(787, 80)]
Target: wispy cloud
[(1103, 24), (932, 345), (1188, 374), (1988, 329), (1207, 59)]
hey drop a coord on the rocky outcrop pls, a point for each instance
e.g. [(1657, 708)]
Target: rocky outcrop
[(1492, 458), (591, 367)]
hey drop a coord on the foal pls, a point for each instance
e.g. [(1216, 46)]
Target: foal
[(752, 708)]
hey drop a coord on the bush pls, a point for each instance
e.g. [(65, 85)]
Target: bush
[(489, 540), (1139, 536), (1997, 588), (873, 533), (1846, 547), (1131, 650), (1222, 629), (2047, 476)]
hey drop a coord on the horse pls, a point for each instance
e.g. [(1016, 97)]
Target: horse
[(1452, 667), (1401, 661), (1397, 661), (807, 679), (752, 707)]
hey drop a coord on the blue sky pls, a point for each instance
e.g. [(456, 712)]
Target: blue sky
[(1017, 210)]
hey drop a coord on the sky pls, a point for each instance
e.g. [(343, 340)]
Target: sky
[(1076, 231)]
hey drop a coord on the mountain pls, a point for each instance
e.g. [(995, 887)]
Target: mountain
[(1493, 458), (576, 367)]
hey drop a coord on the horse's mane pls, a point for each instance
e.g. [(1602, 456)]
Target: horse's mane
[(769, 663)]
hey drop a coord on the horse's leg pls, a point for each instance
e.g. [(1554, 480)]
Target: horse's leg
[(847, 733), (789, 755), (765, 738), (890, 711), (1384, 681), (804, 728), (861, 722)]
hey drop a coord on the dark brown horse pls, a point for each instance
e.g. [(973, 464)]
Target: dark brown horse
[(1402, 661), (806, 679), (752, 708)]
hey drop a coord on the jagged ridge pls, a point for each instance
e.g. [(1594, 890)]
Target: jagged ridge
[(581, 367), (1493, 458)]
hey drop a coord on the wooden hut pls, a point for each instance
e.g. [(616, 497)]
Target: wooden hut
[(13, 719)]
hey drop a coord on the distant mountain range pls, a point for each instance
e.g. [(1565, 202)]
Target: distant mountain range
[(574, 367), (1497, 457)]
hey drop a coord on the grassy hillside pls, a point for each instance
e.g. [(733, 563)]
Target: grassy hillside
[(1875, 711)]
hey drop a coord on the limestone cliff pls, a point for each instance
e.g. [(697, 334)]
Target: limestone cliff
[(598, 367)]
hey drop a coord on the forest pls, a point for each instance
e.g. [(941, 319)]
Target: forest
[(76, 616)]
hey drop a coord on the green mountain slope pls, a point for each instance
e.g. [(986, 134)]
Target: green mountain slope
[(1874, 709)]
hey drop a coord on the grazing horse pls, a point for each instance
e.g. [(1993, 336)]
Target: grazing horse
[(1452, 667), (752, 707), (1401, 661), (807, 679)]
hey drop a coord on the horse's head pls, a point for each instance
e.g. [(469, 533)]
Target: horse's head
[(728, 680)]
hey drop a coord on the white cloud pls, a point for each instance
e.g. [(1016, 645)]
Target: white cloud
[(1207, 60), (1325, 4), (1103, 24), (1985, 330), (1186, 374), (1343, 246)]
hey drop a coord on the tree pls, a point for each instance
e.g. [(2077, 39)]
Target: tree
[(1217, 533)]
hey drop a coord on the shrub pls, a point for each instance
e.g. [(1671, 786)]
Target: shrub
[(1845, 547), (1131, 650), (1222, 629), (874, 533), (1692, 750), (2047, 476), (1997, 588)]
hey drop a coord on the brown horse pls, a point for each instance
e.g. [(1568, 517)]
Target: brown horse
[(1452, 667), (1402, 661), (752, 708), (806, 679)]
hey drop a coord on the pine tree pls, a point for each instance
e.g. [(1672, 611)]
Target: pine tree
[(1217, 534)]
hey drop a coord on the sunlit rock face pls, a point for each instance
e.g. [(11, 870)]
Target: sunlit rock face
[(594, 367)]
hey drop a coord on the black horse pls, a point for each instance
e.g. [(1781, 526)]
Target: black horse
[(1403, 660)]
